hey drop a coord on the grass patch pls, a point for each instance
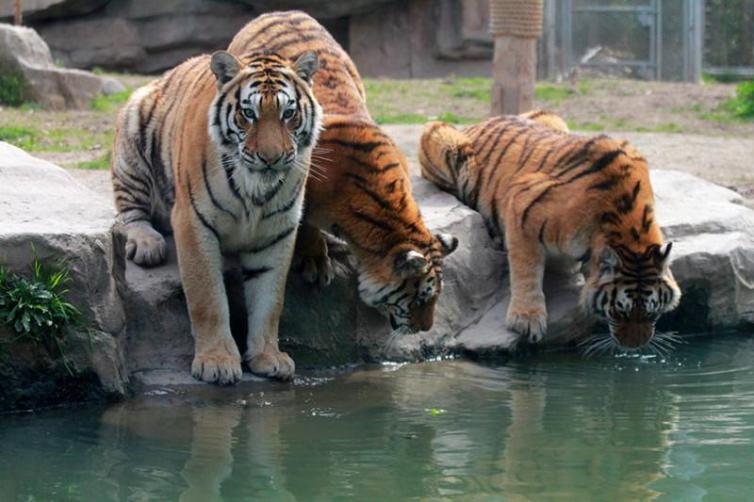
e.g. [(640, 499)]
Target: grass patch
[(101, 163), (478, 88), (400, 118), (585, 126), (111, 103), (552, 93), (22, 137), (35, 308), (742, 105), (12, 89)]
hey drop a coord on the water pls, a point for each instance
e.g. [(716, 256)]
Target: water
[(547, 426)]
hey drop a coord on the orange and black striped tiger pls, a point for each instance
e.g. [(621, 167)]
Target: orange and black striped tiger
[(551, 192), (218, 149), (360, 189)]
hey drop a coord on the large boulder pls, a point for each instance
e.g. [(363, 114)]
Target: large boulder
[(27, 73), (46, 215)]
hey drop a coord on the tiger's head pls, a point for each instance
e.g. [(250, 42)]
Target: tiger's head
[(407, 290), (264, 117), (630, 291)]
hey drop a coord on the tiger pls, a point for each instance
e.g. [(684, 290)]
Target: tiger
[(545, 191), (218, 151), (360, 189)]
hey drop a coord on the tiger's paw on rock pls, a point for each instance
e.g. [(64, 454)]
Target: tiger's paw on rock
[(145, 246), (222, 367), (272, 363), (317, 270), (530, 323)]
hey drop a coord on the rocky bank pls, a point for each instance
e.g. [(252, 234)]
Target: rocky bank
[(138, 330)]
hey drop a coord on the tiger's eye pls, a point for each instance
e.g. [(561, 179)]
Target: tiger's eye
[(249, 113), (288, 113)]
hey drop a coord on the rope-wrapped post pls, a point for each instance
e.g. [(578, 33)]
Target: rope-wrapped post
[(515, 25)]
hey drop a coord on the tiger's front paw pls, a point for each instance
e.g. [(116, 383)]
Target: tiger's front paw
[(222, 366), (528, 322), (272, 363), (317, 270), (145, 246)]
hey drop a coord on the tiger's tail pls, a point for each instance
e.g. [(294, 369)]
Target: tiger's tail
[(445, 154)]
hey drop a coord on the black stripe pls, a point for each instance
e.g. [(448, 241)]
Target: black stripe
[(288, 205), (201, 217), (646, 221), (267, 196), (542, 233), (229, 166), (599, 165), (212, 198), (372, 221), (253, 273), (361, 147), (279, 237)]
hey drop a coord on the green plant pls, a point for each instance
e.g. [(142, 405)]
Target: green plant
[(97, 164), (112, 102), (35, 308), (552, 93), (22, 137), (12, 89), (743, 104)]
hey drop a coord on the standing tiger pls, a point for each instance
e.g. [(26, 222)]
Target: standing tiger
[(551, 192), (219, 150), (359, 189)]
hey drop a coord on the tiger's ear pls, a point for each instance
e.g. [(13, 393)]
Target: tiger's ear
[(306, 65), (448, 242), (225, 66), (609, 261), (411, 264), (661, 255)]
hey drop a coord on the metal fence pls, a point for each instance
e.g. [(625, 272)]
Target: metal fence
[(651, 39)]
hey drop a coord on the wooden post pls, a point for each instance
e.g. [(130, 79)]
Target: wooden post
[(516, 25), (18, 17)]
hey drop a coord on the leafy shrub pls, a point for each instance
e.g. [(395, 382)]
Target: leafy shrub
[(36, 309), (743, 104), (12, 88)]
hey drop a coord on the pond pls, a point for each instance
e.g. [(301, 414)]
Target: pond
[(543, 426)]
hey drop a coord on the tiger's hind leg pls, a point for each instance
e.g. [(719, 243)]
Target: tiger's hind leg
[(311, 256), (527, 311), (133, 201)]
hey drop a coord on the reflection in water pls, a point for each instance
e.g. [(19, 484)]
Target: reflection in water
[(549, 426)]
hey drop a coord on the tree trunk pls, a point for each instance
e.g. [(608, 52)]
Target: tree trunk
[(514, 72), (17, 18)]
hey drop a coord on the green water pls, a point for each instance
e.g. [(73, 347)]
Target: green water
[(547, 426)]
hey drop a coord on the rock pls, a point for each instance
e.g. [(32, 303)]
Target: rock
[(713, 252), (144, 36), (45, 214), (26, 65), (111, 86)]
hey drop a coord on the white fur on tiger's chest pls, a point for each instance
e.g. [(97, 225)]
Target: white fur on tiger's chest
[(248, 212)]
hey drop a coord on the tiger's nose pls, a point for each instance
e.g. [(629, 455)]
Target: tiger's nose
[(271, 159)]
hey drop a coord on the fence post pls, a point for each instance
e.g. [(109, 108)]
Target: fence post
[(515, 25)]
